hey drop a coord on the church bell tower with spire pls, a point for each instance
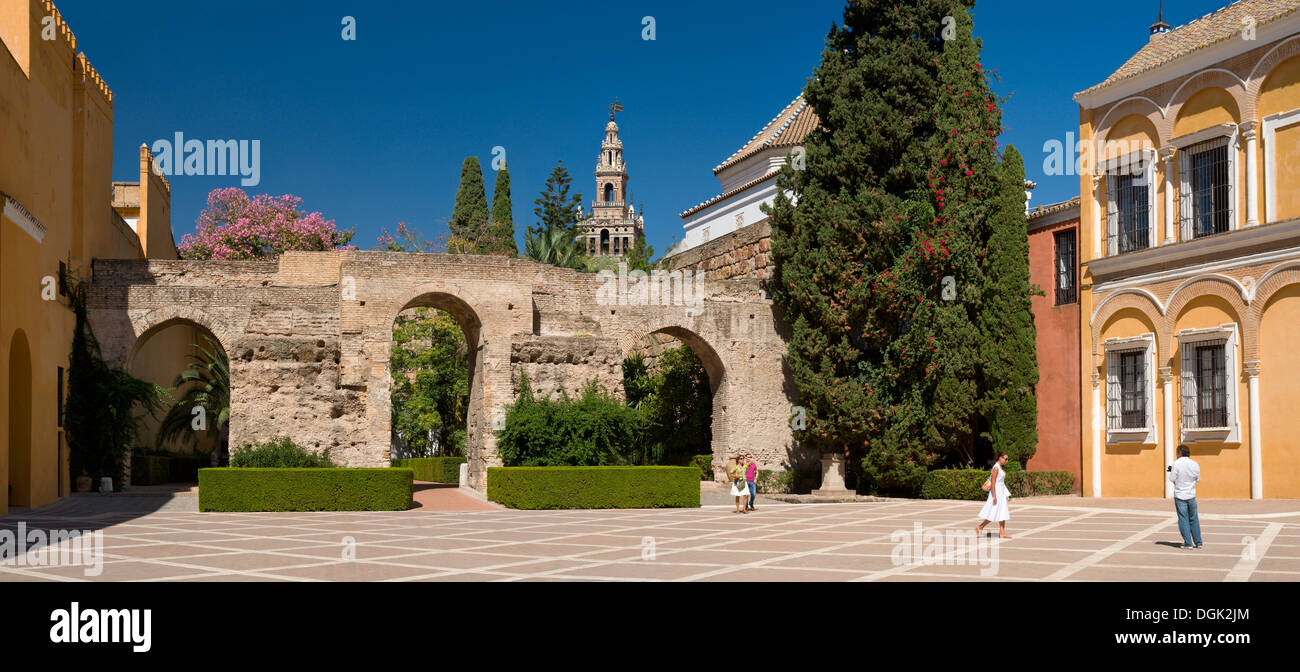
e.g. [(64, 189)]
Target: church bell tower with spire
[(613, 228)]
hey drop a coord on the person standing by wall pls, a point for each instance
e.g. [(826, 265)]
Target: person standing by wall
[(736, 474), (996, 507), (1185, 473), (751, 478)]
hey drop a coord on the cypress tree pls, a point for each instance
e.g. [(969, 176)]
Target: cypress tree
[(470, 213), (1007, 321), (861, 200), (503, 218)]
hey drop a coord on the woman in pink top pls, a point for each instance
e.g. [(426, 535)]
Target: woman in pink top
[(751, 476)]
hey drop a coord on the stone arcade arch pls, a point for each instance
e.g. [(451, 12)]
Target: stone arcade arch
[(310, 337)]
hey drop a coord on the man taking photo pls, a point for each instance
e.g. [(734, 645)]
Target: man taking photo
[(1185, 473)]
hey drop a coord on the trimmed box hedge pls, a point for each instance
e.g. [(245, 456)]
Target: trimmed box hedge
[(965, 483), (150, 469), (304, 489), (433, 469), (594, 487)]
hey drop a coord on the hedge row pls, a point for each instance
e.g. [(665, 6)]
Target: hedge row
[(433, 469), (304, 489), (966, 483), (594, 487), (159, 469)]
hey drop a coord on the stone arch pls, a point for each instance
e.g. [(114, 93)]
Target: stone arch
[(1225, 288), (1144, 303), (1213, 78), (19, 432), (1275, 280), (479, 441), (169, 356), (718, 383), (1136, 106), (1280, 53), (160, 318)]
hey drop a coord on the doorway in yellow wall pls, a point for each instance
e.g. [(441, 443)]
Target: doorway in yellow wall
[(20, 420)]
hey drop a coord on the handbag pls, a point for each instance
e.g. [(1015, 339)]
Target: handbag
[(988, 484)]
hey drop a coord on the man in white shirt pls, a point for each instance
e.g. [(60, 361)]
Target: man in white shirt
[(1185, 474)]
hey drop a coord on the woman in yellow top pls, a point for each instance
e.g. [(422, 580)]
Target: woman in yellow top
[(739, 489)]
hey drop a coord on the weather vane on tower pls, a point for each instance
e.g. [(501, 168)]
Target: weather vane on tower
[(614, 108)]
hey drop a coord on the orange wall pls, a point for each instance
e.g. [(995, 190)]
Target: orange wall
[(1058, 360)]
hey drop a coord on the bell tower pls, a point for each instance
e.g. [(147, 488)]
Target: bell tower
[(613, 227)]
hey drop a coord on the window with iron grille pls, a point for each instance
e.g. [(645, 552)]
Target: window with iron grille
[(1133, 398), (1067, 268), (1206, 203), (1209, 383), (1211, 386), (1129, 208)]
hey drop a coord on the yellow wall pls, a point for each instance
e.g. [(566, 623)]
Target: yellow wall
[(1279, 389), (1132, 469), (1281, 93), (1225, 467), (1206, 108)]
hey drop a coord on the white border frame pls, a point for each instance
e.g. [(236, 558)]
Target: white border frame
[(1271, 123), (1145, 436), (1232, 432)]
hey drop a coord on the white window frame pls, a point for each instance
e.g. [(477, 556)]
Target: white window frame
[(1110, 168), (1271, 124), (1187, 340), (1113, 347), (1226, 133)]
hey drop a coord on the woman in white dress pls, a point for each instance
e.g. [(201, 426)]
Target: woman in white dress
[(996, 507), (739, 489)]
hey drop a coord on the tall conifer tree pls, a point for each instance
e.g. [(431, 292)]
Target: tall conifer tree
[(1007, 321), (503, 217), (470, 214)]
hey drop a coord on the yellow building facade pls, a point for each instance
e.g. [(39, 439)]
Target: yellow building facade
[(57, 192), (1190, 240)]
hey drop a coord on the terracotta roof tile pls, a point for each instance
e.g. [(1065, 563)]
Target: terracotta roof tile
[(1206, 31), (787, 129)]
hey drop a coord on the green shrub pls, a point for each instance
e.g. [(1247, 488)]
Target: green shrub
[(433, 469), (304, 489), (594, 487), (775, 482), (186, 469), (705, 464), (965, 483), (279, 453), (150, 470), (595, 430)]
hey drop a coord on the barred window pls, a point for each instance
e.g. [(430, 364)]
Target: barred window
[(1129, 201), (1067, 268), (1208, 359), (1133, 410), (1211, 386), (1206, 203)]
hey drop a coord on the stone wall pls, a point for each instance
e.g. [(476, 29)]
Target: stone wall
[(745, 253), (310, 337)]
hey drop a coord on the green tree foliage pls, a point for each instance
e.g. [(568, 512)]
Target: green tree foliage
[(100, 422), (470, 213), (553, 239), (596, 429), (430, 393), (205, 384), (894, 198), (675, 403), (503, 218), (638, 258), (1007, 322)]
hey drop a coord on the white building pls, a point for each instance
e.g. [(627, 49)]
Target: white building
[(748, 178)]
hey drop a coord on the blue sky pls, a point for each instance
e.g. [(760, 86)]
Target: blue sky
[(372, 132)]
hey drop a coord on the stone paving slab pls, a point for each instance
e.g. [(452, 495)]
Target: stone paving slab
[(1054, 539)]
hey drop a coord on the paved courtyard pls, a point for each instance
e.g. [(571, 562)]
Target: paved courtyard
[(1055, 539)]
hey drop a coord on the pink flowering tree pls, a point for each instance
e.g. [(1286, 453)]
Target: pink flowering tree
[(235, 227)]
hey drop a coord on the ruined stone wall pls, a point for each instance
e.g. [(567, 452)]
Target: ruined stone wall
[(310, 336), (745, 253)]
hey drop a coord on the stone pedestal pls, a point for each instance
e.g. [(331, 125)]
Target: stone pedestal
[(833, 477)]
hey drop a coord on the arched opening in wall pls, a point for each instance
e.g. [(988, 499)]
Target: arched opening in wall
[(604, 241), (434, 381), (192, 431), (674, 379), (20, 420), (609, 193)]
